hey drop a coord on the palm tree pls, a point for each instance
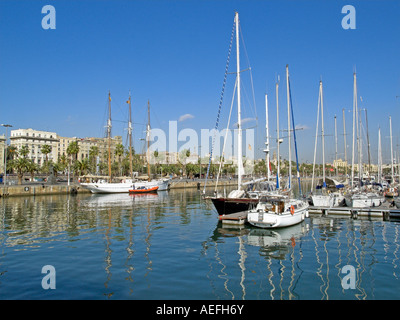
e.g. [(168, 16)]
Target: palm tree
[(46, 149), (93, 153), (11, 152), (32, 167), (72, 151), (24, 151), (20, 165)]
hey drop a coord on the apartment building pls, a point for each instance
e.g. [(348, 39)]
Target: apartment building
[(34, 140)]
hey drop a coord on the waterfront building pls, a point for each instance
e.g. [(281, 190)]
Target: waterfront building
[(34, 140), (85, 144)]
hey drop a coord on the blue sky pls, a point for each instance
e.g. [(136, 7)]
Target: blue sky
[(173, 53)]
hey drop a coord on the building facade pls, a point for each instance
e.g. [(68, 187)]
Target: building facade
[(34, 140)]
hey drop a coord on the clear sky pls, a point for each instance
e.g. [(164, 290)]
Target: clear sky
[(173, 53)]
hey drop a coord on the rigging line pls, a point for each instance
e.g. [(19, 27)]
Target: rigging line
[(248, 63), (226, 136), (220, 103)]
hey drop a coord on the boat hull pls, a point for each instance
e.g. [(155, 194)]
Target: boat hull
[(272, 220), (141, 191), (233, 205), (124, 187)]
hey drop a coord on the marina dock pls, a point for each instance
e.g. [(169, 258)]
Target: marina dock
[(384, 211)]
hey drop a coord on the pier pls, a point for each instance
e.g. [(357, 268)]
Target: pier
[(384, 211)]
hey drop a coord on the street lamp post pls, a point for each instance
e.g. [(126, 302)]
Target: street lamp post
[(5, 153)]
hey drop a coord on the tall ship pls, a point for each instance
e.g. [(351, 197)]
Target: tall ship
[(108, 186)]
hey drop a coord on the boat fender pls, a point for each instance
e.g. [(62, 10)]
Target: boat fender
[(292, 210)]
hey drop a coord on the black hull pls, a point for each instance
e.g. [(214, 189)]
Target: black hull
[(228, 205)]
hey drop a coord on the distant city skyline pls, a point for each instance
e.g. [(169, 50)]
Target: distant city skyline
[(173, 54)]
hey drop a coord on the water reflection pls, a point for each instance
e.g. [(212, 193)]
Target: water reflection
[(153, 246)]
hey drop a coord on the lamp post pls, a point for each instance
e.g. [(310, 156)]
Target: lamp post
[(5, 153)]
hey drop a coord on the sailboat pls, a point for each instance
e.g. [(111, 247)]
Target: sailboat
[(103, 186), (324, 199), (238, 199), (356, 198), (276, 210)]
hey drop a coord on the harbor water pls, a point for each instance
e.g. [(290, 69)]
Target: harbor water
[(171, 246)]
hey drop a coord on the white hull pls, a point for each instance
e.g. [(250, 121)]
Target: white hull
[(331, 200), (270, 219), (124, 187), (364, 201)]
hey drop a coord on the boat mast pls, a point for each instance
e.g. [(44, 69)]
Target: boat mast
[(109, 135), (240, 163), (391, 147), (323, 135), (130, 136), (369, 153), (289, 135), (379, 156), (148, 140), (316, 139), (267, 138), (277, 135), (345, 144), (354, 119), (336, 170)]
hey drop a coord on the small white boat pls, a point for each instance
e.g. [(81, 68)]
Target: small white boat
[(276, 211)]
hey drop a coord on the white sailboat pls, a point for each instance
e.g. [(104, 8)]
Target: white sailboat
[(103, 186), (276, 210), (324, 199), (356, 198)]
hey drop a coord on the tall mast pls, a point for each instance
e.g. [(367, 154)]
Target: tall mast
[(345, 144), (130, 136), (289, 135), (369, 153), (267, 138), (148, 140), (391, 147), (379, 156), (354, 124), (336, 170), (109, 135), (323, 135), (240, 163), (277, 135)]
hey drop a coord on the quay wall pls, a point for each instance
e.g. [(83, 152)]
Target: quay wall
[(48, 189)]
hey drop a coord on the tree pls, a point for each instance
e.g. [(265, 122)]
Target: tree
[(12, 152), (72, 151), (20, 165), (46, 149), (23, 151), (32, 167), (93, 153)]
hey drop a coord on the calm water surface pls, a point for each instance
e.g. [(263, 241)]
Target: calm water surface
[(171, 246)]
